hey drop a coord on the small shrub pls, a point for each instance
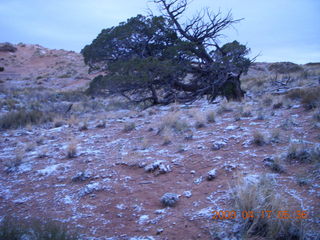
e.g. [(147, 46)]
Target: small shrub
[(316, 116), (175, 122), (58, 122), (275, 135), (224, 109), (83, 126), (211, 117), (13, 164), (129, 127), (275, 164), (299, 152), (260, 195), (16, 229), (267, 101), (246, 112), (22, 118), (101, 124), (200, 121), (1, 69), (72, 149), (311, 98), (258, 138), (277, 105)]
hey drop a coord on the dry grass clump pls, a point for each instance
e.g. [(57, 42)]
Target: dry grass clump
[(277, 105), (258, 138), (21, 118), (259, 195), (267, 100), (128, 127), (83, 126), (101, 124), (275, 164), (246, 111), (225, 107), (316, 115), (16, 229), (200, 121), (310, 97), (175, 122), (13, 164), (58, 122), (300, 152), (72, 149), (211, 117), (275, 135)]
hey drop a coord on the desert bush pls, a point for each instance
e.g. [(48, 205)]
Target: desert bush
[(72, 149), (224, 108), (275, 135), (310, 97), (1, 69), (200, 120), (129, 127), (21, 118), (175, 122), (316, 116), (13, 164), (16, 229), (211, 117), (285, 67), (267, 101), (300, 152), (275, 164), (83, 126), (259, 195), (277, 105), (258, 138)]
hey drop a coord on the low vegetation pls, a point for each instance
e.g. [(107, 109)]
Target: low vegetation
[(21, 118), (259, 195), (16, 229)]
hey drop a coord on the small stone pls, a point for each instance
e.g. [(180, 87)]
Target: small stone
[(169, 199), (143, 219), (81, 176), (218, 145), (159, 231), (187, 194), (212, 174), (193, 172)]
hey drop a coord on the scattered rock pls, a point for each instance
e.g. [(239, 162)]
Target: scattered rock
[(218, 145), (187, 194), (169, 199), (90, 188), (198, 180), (157, 165), (143, 219), (159, 231), (81, 176), (212, 174)]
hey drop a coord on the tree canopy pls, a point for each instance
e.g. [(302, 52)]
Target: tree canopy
[(160, 60)]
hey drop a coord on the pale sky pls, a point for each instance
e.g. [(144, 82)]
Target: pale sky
[(280, 30)]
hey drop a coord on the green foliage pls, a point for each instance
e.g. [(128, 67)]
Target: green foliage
[(234, 55), (147, 60), (139, 37)]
